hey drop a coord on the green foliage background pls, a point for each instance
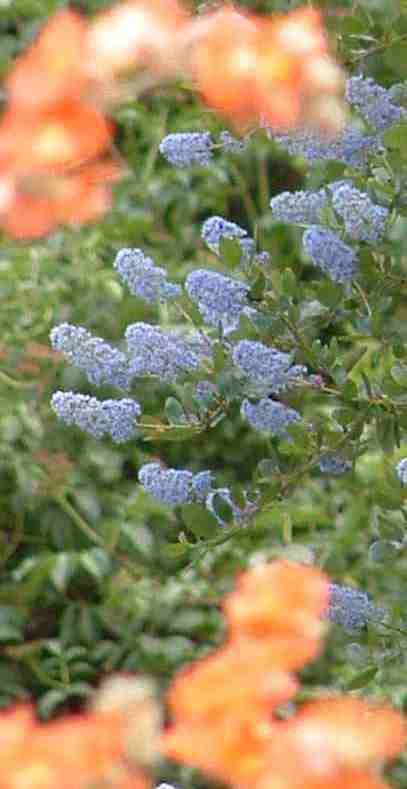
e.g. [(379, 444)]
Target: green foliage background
[(95, 576)]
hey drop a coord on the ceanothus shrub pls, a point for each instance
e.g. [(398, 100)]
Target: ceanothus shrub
[(279, 347)]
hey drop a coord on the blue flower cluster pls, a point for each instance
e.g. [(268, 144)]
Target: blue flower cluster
[(334, 464), (174, 487), (115, 418), (363, 219), (300, 207), (330, 254), (101, 363), (215, 228), (142, 277), (352, 146), (167, 355), (266, 368), (374, 102), (187, 149), (270, 416), (221, 300), (351, 608), (401, 471)]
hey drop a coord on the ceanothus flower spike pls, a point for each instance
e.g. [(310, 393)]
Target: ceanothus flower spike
[(299, 207), (363, 219), (330, 254), (374, 102), (270, 416), (116, 418), (186, 149), (142, 277), (173, 486), (153, 351), (102, 363), (221, 300), (264, 367), (401, 471), (351, 608)]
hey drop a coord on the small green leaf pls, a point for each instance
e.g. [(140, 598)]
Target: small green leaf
[(96, 562), (198, 520), (362, 678), (174, 411), (230, 251)]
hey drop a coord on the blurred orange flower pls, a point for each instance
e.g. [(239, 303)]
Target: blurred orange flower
[(71, 753), (278, 598), (343, 732), (134, 34), (272, 69), (204, 691), (61, 137), (40, 203), (225, 707), (232, 749), (53, 68)]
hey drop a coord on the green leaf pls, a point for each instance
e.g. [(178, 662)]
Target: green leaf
[(174, 411), (63, 569), (198, 520), (230, 251), (362, 678), (96, 562), (49, 703), (385, 431)]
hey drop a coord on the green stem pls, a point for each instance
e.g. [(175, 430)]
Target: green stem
[(80, 522)]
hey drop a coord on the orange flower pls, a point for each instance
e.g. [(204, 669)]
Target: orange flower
[(57, 138), (133, 34), (42, 202), (344, 732), (223, 62), (270, 67), (278, 599), (231, 749), (293, 778), (52, 69), (63, 754), (239, 677)]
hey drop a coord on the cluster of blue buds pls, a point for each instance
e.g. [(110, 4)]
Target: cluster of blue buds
[(270, 416), (99, 418), (374, 102), (330, 254), (297, 208), (363, 219), (188, 149), (215, 228), (221, 300), (334, 464), (174, 487), (143, 278), (265, 368), (401, 471), (101, 363), (351, 608), (153, 351), (352, 147)]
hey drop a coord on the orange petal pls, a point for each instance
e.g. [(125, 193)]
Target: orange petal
[(239, 678), (349, 731), (52, 69), (278, 598), (229, 749), (55, 139), (133, 34)]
